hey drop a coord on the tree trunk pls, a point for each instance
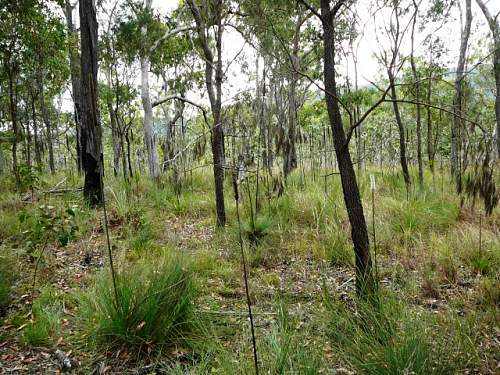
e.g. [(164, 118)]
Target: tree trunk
[(416, 78), (456, 126), (91, 128), (430, 137), (289, 149), (149, 140), (75, 70), (36, 141), (115, 138), (13, 117), (217, 133), (352, 198), (495, 32), (401, 128), (129, 156), (123, 155), (28, 144), (46, 120), (2, 162)]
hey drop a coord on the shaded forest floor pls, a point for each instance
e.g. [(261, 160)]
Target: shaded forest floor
[(438, 266)]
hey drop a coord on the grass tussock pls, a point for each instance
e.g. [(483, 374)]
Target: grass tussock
[(155, 305), (45, 326), (6, 280), (393, 338)]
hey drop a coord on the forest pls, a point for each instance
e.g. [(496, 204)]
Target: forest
[(249, 187)]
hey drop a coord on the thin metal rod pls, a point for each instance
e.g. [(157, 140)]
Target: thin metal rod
[(245, 276)]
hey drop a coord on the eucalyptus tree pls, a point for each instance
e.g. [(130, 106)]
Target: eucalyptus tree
[(141, 34), (74, 64), (49, 58), (392, 61), (15, 20), (494, 25), (328, 16), (285, 37), (458, 98), (417, 85), (207, 18)]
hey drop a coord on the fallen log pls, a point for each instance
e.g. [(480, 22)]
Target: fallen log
[(29, 197)]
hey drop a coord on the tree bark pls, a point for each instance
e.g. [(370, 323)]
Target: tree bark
[(457, 125), (13, 116), (289, 149), (91, 128), (401, 129), (214, 94), (352, 198), (149, 139), (495, 32), (115, 137), (46, 120), (430, 136), (129, 156), (36, 141), (416, 79), (75, 71)]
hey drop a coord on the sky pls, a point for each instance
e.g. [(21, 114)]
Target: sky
[(370, 42)]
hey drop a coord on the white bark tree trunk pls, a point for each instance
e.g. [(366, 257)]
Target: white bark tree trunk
[(154, 170)]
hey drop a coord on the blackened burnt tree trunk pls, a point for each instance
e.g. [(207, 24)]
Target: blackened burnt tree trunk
[(91, 128), (359, 231), (215, 94)]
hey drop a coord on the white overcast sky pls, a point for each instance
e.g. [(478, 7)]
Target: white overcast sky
[(369, 44)]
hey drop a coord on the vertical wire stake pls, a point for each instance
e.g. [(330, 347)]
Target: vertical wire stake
[(245, 276), (480, 233), (108, 241), (372, 188)]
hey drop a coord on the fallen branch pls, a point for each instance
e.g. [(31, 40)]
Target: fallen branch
[(28, 197)]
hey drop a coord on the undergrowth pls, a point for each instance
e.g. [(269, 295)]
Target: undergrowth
[(393, 338), (154, 306)]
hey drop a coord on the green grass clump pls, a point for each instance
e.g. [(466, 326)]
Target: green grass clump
[(46, 323), (154, 305), (390, 338), (257, 228), (338, 247), (421, 215), (6, 280), (283, 350)]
